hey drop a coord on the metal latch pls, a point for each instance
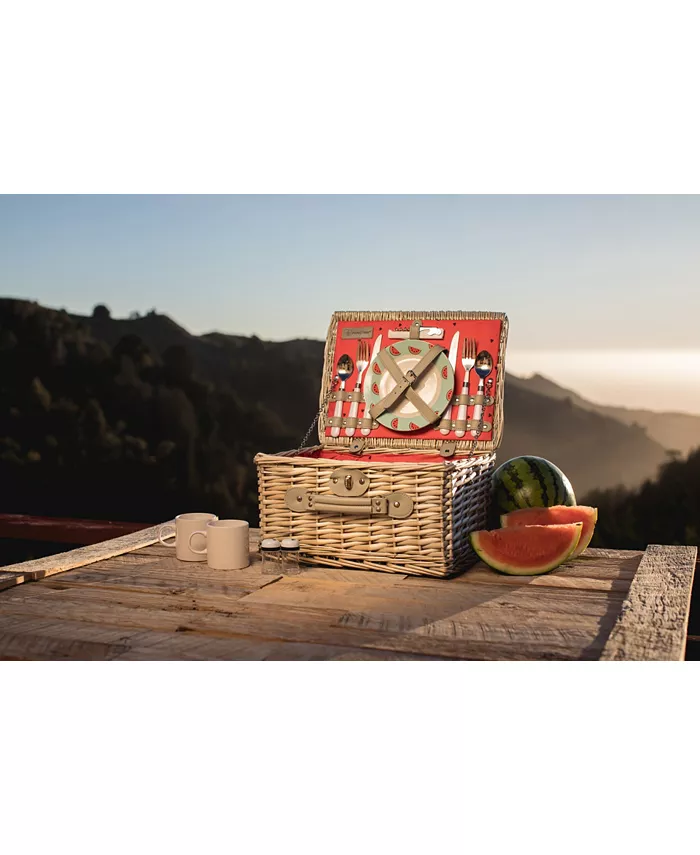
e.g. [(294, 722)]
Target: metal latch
[(349, 483)]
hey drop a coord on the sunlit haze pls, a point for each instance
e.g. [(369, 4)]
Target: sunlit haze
[(602, 293), (664, 380)]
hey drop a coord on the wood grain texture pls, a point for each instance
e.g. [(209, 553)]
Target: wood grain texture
[(653, 621), (40, 568), (73, 640), (111, 603)]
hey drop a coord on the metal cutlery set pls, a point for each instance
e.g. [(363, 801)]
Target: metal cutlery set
[(410, 384)]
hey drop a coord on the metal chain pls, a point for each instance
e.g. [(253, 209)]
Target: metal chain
[(318, 414)]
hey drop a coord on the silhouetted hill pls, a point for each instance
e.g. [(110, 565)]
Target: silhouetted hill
[(595, 451), (138, 419), (256, 371), (95, 421), (679, 431)]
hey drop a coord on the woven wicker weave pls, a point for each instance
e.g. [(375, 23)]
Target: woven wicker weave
[(450, 495), (451, 499)]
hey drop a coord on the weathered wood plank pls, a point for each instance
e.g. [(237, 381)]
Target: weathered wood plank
[(431, 626), (481, 574), (37, 639), (498, 607), (145, 604), (40, 568), (436, 598), (598, 564), (9, 580), (163, 580), (653, 621), (314, 626)]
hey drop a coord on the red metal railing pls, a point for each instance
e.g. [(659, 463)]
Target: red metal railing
[(59, 530)]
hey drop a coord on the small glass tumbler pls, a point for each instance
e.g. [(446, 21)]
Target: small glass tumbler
[(290, 556), (271, 557)]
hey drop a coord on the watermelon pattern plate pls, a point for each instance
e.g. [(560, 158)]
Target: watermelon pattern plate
[(435, 386)]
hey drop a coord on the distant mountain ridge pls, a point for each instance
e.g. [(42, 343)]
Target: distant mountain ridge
[(230, 384), (672, 430)]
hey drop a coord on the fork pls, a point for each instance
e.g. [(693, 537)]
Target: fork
[(362, 362), (468, 362)]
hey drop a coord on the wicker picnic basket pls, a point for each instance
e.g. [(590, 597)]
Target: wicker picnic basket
[(370, 497)]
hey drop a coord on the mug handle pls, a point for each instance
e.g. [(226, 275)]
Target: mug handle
[(161, 535), (198, 551)]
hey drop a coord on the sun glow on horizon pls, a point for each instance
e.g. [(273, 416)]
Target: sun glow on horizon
[(662, 380)]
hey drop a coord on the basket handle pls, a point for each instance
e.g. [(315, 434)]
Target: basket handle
[(396, 505)]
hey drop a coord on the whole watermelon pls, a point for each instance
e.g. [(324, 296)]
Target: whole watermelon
[(530, 482)]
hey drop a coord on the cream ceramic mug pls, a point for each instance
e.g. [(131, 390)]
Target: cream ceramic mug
[(184, 526), (227, 544)]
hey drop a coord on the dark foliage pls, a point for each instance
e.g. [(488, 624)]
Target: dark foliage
[(664, 511), (107, 426)]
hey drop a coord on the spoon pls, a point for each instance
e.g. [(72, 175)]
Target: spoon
[(345, 368), (483, 367)]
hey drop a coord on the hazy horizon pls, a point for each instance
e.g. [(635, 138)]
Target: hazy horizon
[(602, 292)]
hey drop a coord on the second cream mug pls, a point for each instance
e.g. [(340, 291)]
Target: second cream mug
[(226, 544)]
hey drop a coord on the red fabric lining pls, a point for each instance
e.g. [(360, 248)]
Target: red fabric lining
[(488, 336), (326, 454)]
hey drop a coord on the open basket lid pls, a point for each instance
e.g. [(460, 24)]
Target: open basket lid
[(411, 394)]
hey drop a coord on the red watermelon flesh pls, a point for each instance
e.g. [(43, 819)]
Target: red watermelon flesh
[(526, 550), (556, 515)]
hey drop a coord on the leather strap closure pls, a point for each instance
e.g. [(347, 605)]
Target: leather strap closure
[(404, 383), (472, 400), (471, 424), (415, 329), (352, 421), (352, 396), (343, 421), (464, 424), (395, 505)]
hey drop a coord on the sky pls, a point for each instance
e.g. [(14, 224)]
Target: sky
[(602, 292)]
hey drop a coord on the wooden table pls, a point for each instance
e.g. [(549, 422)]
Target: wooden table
[(130, 598)]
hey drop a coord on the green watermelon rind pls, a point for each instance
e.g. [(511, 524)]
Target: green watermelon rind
[(590, 519), (515, 484), (512, 569)]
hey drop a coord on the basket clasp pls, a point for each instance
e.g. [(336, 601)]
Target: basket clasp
[(344, 483)]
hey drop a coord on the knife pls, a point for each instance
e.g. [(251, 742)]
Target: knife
[(425, 332), (446, 423), (368, 376)]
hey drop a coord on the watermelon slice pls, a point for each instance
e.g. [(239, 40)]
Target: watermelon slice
[(527, 550), (556, 515)]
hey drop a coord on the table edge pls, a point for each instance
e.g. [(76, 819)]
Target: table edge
[(653, 622)]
